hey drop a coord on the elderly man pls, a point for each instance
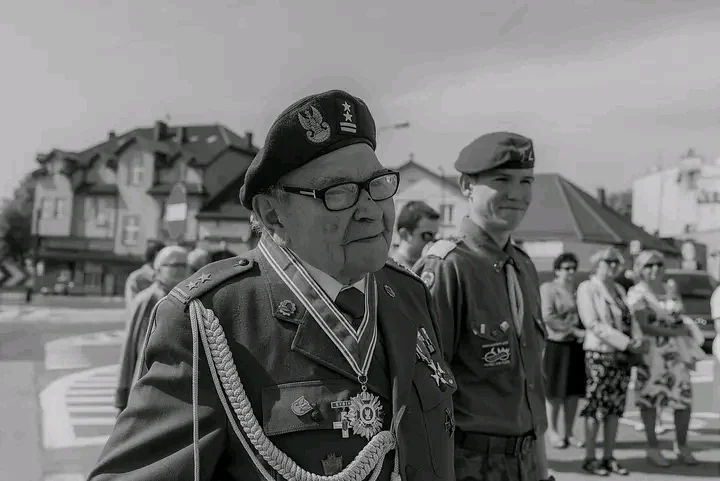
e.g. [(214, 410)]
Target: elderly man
[(140, 279), (308, 356), (169, 268), (487, 293)]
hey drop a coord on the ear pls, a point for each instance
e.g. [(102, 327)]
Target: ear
[(466, 184), (267, 209), (404, 234)]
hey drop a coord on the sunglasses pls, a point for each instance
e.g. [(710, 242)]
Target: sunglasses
[(650, 265), (611, 262), (427, 236)]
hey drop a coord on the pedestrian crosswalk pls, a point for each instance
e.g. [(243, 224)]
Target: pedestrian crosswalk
[(63, 315), (78, 410), (68, 353)]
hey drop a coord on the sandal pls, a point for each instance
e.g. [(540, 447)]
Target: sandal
[(596, 467)]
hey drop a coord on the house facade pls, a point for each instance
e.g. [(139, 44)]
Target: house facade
[(682, 201), (96, 210)]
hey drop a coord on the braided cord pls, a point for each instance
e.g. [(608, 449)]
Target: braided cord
[(224, 372)]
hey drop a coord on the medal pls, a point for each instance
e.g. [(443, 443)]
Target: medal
[(363, 412), (437, 373)]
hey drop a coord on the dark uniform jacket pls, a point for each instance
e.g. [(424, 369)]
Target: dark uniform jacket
[(282, 356), (499, 374)]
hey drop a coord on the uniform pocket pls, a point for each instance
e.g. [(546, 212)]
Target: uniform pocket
[(494, 351), (439, 420)]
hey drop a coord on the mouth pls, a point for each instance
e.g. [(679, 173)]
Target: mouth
[(366, 239)]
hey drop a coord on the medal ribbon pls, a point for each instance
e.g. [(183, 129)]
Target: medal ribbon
[(356, 346)]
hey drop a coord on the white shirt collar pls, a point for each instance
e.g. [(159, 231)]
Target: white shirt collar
[(329, 284)]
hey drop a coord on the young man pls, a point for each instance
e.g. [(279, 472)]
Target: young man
[(417, 225), (309, 355), (486, 291)]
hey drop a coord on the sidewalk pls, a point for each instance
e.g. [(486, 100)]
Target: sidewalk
[(17, 299)]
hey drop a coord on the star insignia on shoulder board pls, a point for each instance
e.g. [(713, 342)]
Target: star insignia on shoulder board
[(193, 285), (204, 278)]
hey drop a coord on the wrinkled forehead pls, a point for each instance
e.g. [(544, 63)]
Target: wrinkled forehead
[(352, 163)]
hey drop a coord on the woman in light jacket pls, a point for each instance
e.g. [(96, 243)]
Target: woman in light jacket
[(610, 338), (564, 359), (664, 380)]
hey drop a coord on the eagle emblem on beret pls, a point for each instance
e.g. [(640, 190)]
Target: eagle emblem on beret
[(317, 130)]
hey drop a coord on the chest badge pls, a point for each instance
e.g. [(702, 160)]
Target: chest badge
[(332, 464), (301, 406), (428, 278), (286, 308)]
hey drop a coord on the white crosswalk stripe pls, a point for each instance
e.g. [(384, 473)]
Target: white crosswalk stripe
[(67, 352), (64, 315), (79, 403)]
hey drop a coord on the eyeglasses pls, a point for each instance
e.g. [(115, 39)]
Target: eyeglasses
[(346, 194), (655, 264), (427, 236)]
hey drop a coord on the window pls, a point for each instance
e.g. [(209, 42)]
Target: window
[(60, 208), (47, 208), (446, 213), (131, 230), (136, 170)]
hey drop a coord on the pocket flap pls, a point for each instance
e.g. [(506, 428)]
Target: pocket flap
[(303, 406)]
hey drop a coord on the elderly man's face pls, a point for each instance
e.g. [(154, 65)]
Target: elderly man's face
[(345, 244)]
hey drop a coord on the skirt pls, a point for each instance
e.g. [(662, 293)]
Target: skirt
[(607, 385), (564, 369)]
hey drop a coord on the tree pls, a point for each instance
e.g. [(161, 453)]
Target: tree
[(16, 221), (621, 202)]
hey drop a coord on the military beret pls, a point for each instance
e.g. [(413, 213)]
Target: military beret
[(496, 150), (308, 129)]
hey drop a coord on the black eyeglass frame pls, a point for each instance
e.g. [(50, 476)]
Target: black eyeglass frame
[(364, 185)]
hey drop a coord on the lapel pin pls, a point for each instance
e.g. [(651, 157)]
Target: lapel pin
[(389, 291), (286, 308), (504, 326), (301, 406)]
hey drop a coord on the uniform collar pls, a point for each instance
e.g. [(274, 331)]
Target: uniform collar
[(479, 239), (327, 283)]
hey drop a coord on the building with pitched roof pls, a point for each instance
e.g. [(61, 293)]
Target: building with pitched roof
[(96, 210)]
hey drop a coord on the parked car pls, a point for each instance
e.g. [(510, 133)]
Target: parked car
[(63, 286)]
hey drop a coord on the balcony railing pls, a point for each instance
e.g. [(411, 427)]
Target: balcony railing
[(77, 243)]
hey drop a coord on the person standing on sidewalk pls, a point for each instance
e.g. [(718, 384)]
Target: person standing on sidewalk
[(417, 226), (486, 292), (142, 278)]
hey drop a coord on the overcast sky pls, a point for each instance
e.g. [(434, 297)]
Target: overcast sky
[(605, 88)]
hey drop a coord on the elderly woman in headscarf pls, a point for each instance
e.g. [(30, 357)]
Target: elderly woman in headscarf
[(170, 267), (663, 380), (610, 343)]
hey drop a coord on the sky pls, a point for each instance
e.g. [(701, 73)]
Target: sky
[(606, 89)]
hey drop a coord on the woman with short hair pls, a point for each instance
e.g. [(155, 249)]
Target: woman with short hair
[(564, 358)]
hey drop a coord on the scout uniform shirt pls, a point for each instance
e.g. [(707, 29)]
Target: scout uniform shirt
[(498, 370)]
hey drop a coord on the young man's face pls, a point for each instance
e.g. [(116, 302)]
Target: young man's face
[(425, 231)]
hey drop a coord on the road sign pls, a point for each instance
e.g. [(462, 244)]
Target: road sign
[(176, 211), (10, 274)]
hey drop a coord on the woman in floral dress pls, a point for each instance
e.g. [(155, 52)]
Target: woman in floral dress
[(664, 380)]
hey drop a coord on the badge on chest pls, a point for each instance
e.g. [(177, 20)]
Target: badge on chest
[(495, 354)]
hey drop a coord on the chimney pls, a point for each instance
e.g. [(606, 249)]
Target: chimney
[(111, 135), (161, 129), (181, 135), (249, 138), (601, 196)]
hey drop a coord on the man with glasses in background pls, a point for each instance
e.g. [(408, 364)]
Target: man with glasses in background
[(417, 226), (312, 354)]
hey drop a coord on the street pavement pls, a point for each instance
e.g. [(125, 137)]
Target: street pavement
[(59, 371)]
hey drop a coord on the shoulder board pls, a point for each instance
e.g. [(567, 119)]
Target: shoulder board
[(400, 268), (209, 277), (442, 248)]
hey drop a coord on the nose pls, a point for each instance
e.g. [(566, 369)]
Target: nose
[(367, 209)]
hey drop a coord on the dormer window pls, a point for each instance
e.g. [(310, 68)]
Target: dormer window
[(136, 171)]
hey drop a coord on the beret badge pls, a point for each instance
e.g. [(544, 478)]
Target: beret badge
[(317, 130)]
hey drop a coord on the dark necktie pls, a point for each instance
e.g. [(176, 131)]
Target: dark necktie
[(352, 302)]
